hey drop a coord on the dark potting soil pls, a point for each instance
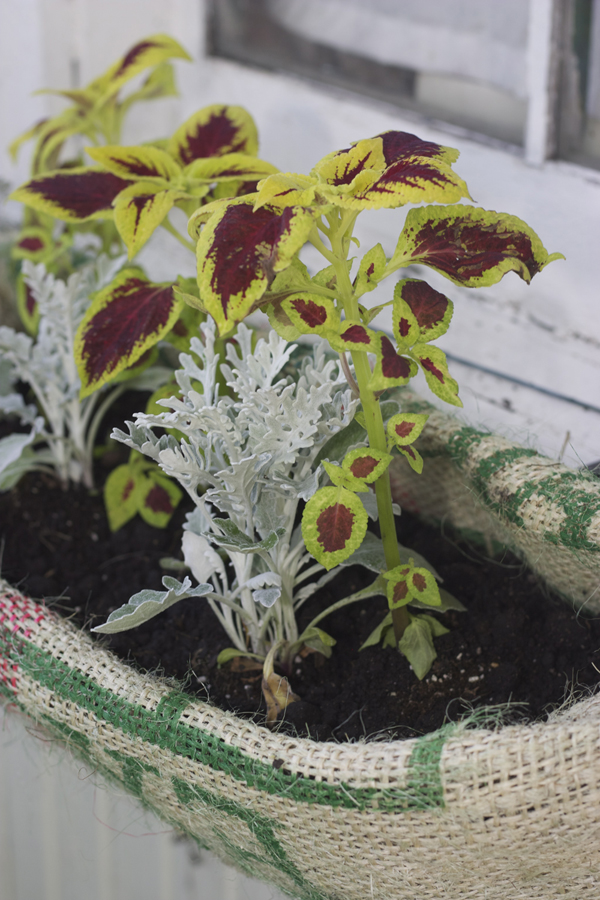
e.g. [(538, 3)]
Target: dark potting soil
[(514, 644)]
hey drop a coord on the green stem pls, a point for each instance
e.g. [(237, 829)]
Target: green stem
[(168, 226), (372, 414)]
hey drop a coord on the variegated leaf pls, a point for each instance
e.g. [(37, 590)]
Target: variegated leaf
[(431, 309), (433, 362), (310, 313), (120, 497), (391, 369), (214, 131), (353, 335), (366, 464), (230, 167), (344, 478), (370, 271), (27, 305), (399, 146), (124, 320), (139, 210), (405, 324), (73, 195), (239, 253), (413, 456), (150, 51), (33, 243), (286, 189), (405, 428), (136, 162), (280, 321), (471, 246), (158, 498), (334, 523)]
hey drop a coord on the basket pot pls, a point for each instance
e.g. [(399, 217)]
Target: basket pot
[(459, 813)]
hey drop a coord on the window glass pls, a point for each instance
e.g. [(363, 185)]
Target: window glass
[(462, 61), (579, 115)]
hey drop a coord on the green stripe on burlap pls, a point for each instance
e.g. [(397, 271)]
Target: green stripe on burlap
[(162, 728)]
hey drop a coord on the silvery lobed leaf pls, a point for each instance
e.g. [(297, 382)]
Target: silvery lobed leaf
[(369, 501), (202, 559), (13, 445), (263, 578), (266, 596), (196, 521), (147, 604), (13, 404), (370, 554)]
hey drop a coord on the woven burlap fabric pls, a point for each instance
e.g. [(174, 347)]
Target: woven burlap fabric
[(457, 814), (501, 493), (463, 813)]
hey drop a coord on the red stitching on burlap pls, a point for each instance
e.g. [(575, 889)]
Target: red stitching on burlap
[(18, 609)]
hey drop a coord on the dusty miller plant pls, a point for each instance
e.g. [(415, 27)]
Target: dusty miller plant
[(246, 460)]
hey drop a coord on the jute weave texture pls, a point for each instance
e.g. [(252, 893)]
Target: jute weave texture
[(461, 813)]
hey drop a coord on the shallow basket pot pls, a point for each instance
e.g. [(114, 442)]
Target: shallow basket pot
[(460, 813)]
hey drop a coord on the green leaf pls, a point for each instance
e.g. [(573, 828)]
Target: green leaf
[(230, 653), (318, 640), (417, 645), (378, 634), (236, 539), (334, 524), (147, 604)]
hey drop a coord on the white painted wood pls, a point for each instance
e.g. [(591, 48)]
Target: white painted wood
[(64, 835), (540, 56)]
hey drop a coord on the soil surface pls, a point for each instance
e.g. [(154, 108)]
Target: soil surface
[(514, 644)]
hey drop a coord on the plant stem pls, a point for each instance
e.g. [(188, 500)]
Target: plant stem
[(372, 412), (168, 226)]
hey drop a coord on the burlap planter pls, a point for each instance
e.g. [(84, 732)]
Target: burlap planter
[(462, 813)]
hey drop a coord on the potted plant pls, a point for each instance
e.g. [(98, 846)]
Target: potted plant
[(460, 810)]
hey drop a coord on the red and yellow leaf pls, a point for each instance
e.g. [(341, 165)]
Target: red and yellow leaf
[(432, 360), (73, 195), (124, 320), (341, 477), (366, 464), (413, 456), (431, 309), (33, 243), (158, 498), (471, 246), (230, 167), (286, 189), (311, 313), (409, 582), (27, 306), (401, 145), (404, 428), (334, 524), (353, 335), (139, 210), (214, 131), (239, 253), (136, 162), (120, 495), (280, 321), (391, 369), (150, 51), (370, 271)]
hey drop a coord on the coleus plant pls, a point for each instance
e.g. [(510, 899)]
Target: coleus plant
[(248, 258), (96, 113), (212, 153)]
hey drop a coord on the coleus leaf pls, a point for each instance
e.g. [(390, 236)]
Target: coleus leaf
[(159, 83), (158, 497), (366, 464), (365, 177), (413, 456), (240, 251), (343, 478), (281, 323), (139, 210), (214, 131), (311, 313), (404, 428), (401, 145), (123, 321), (431, 310), (230, 167), (27, 305), (286, 189), (334, 523), (136, 162), (391, 369), (33, 243), (353, 335), (471, 246), (370, 271), (433, 362), (120, 500), (147, 604), (241, 542), (73, 195), (408, 582), (150, 51)]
